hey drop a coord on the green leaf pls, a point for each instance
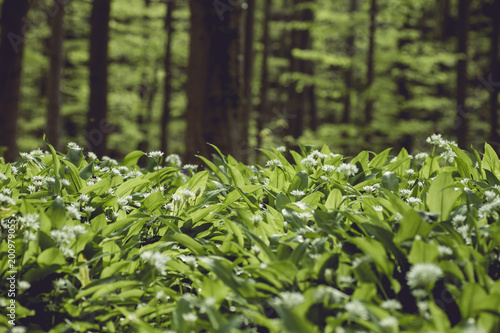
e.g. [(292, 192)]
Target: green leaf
[(215, 170), (442, 196), (132, 158), (300, 182), (130, 185), (390, 181), (410, 226), (57, 213), (490, 160), (88, 171), (379, 160), (51, 256), (188, 242)]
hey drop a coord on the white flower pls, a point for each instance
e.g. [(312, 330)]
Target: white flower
[(186, 193), (389, 322), (328, 168), (174, 159), (463, 230), (256, 219), (157, 260), (191, 167), (29, 236), (309, 162), (65, 182), (488, 208), (67, 252), (490, 195), (6, 191), (297, 193), (6, 200), (317, 153), (414, 201), (369, 188), (435, 139), (274, 163), (18, 329), (444, 251), (404, 192), (346, 280), (60, 284), (190, 317), (347, 169), (30, 221), (281, 149), (449, 155), (92, 156), (391, 305), (3, 176), (288, 299), (356, 309), (421, 156), (84, 198), (155, 155), (423, 275), (73, 212), (23, 285), (72, 145), (14, 170), (410, 172), (78, 230), (458, 220), (304, 216), (378, 208)]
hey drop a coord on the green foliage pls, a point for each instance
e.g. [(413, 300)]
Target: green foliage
[(378, 242)]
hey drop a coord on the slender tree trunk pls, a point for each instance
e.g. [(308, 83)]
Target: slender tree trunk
[(348, 77), (11, 56), (310, 91), (54, 122), (98, 127), (461, 126), (248, 75), (264, 85), (214, 90), (167, 89), (402, 85), (495, 73), (368, 112)]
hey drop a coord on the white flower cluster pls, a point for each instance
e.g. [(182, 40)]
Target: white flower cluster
[(157, 260), (288, 299), (6, 200), (274, 163), (423, 275), (347, 169), (155, 155), (174, 160)]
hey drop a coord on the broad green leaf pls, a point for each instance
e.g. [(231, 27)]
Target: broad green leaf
[(390, 181), (51, 256), (442, 196), (131, 158), (410, 226), (300, 182)]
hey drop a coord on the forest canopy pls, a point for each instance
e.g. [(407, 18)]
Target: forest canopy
[(176, 75)]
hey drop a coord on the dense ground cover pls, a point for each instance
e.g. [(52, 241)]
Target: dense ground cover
[(377, 243)]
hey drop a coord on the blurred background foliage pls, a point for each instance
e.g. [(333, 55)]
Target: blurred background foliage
[(317, 83)]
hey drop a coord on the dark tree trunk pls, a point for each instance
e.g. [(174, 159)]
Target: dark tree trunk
[(495, 73), (297, 99), (368, 112), (54, 123), (461, 125), (167, 89), (348, 76), (310, 91), (248, 75), (98, 127), (264, 79), (11, 56), (214, 89)]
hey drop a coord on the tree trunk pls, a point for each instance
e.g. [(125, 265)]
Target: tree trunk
[(348, 76), (214, 89), (167, 89), (264, 79), (495, 74), (54, 103), (297, 99), (368, 112), (461, 125), (98, 127), (248, 75), (11, 56)]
